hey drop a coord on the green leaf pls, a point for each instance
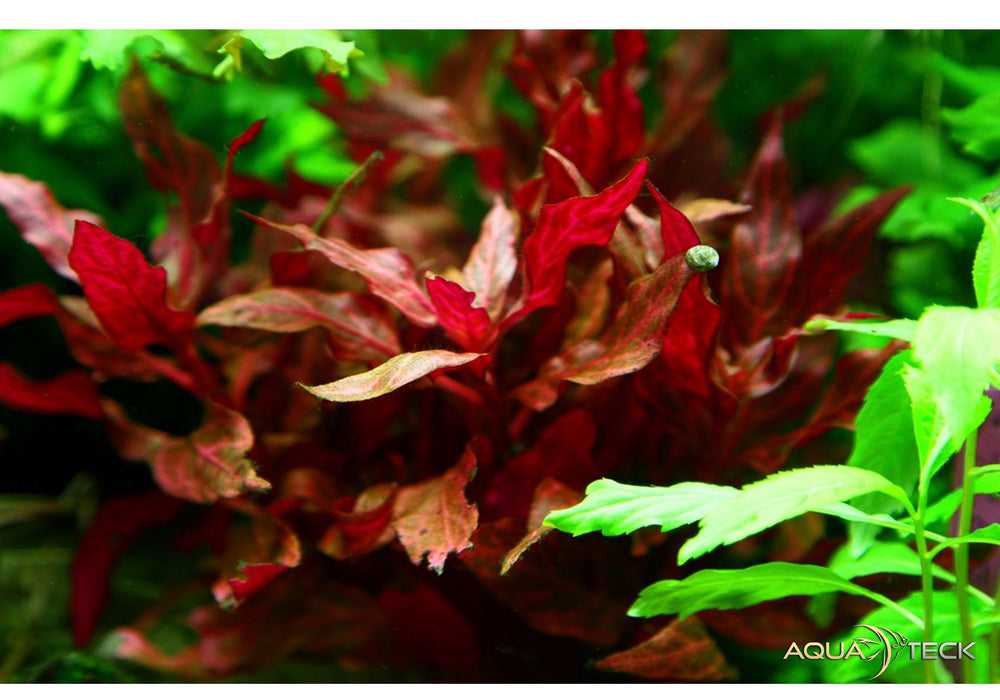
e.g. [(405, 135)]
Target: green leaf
[(851, 514), (884, 443), (275, 43), (618, 509), (984, 535), (986, 267), (780, 497), (934, 440), (715, 589), (882, 558), (903, 329), (977, 126), (984, 482), (958, 349)]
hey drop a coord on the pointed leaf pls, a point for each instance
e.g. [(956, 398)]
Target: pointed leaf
[(27, 301), (391, 375), (884, 443), (72, 393), (986, 267), (714, 589), (42, 221), (387, 271), (683, 651), (565, 226), (493, 260), (434, 518), (355, 321), (618, 509), (903, 329), (781, 496), (127, 294)]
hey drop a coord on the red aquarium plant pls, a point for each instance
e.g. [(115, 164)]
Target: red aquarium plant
[(390, 405)]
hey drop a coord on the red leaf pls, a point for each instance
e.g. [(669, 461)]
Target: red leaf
[(676, 230), (357, 324), (433, 517), (632, 341), (469, 326), (255, 577), (72, 392), (387, 271), (28, 301), (549, 496), (757, 282), (565, 226), (204, 466), (43, 222), (118, 523), (681, 651), (493, 260), (361, 524), (127, 294), (391, 375)]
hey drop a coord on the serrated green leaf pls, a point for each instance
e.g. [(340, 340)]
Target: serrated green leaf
[(884, 443), (780, 497), (958, 349), (618, 509), (986, 267), (715, 589), (903, 329)]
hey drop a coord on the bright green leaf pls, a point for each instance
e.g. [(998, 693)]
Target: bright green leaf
[(986, 267), (977, 126), (715, 589), (275, 43), (780, 497), (884, 443), (959, 349), (903, 329), (618, 509)]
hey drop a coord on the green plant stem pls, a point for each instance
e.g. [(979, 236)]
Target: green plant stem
[(995, 642), (356, 177), (926, 575), (962, 551)]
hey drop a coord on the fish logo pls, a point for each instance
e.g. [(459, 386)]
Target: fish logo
[(887, 644)]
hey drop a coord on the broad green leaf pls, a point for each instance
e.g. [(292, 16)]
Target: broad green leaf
[(884, 443), (618, 509), (106, 48), (903, 329), (934, 440), (391, 375), (959, 349), (715, 589), (881, 558), (977, 126), (986, 267), (780, 497)]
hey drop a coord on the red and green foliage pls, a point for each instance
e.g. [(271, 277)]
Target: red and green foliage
[(391, 401)]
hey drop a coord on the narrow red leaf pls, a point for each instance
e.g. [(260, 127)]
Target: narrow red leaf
[(204, 466), (127, 294), (118, 523), (681, 651), (72, 393), (565, 226), (388, 272), (254, 578), (391, 375), (434, 518), (469, 326), (676, 230), (359, 327), (764, 251), (43, 222)]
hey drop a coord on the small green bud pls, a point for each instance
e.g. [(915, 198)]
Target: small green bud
[(702, 258)]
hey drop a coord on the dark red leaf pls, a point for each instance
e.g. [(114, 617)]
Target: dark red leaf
[(72, 392), (360, 524), (127, 294), (118, 523), (254, 578), (681, 651), (43, 222), (28, 301)]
